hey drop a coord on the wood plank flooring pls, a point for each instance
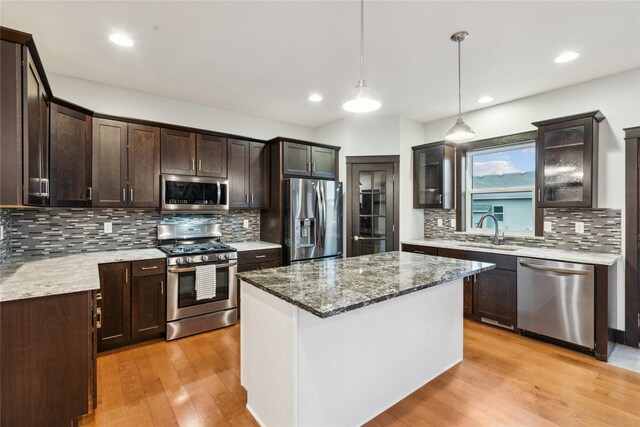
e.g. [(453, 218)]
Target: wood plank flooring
[(504, 380)]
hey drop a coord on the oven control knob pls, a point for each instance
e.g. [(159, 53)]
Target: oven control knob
[(222, 256), (204, 258), (189, 259), (179, 260)]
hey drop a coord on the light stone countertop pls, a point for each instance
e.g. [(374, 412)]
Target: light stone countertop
[(254, 246), (329, 288), (45, 276), (597, 258)]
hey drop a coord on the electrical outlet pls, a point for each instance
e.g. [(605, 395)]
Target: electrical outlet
[(439, 222), (245, 224), (547, 226), (108, 227), (580, 227), (452, 223)]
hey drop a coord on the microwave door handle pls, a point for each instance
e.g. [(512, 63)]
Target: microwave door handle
[(219, 186)]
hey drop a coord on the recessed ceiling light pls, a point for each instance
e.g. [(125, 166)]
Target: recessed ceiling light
[(566, 57), (315, 97), (121, 39), (485, 99)]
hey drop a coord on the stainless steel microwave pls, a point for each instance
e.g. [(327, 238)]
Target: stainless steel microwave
[(183, 193)]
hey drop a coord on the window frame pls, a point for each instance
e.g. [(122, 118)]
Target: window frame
[(461, 176), (469, 191)]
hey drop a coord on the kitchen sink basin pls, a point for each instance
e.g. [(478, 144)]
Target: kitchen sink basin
[(490, 246)]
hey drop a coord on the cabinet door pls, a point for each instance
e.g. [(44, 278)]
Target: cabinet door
[(495, 296), (144, 166), (109, 165), (70, 157), (147, 306), (178, 150), (258, 175), (239, 173), (296, 159), (114, 304), (323, 162), (212, 156), (565, 168), (468, 295), (427, 166)]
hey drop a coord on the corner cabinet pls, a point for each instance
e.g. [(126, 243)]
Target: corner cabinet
[(248, 174), (567, 161), (70, 157), (433, 176)]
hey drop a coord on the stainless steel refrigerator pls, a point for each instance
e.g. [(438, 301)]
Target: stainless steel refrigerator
[(312, 220)]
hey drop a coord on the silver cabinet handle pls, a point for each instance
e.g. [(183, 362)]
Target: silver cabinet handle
[(90, 191), (539, 195), (556, 270), (124, 194), (313, 167), (98, 317), (418, 252), (261, 256), (131, 194), (252, 198), (308, 166), (193, 164), (99, 295), (126, 275), (246, 196), (150, 268), (439, 198), (199, 164), (161, 287)]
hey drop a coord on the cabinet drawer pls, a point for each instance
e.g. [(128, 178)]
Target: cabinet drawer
[(259, 256), (505, 262), (148, 267), (418, 249)]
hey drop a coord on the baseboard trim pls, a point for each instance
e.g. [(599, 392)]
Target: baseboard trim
[(616, 335)]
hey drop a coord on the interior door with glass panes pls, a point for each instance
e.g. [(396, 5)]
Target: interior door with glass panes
[(372, 222)]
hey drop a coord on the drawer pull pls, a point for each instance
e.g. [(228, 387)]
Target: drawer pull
[(418, 252), (99, 296), (98, 318), (150, 268), (261, 256)]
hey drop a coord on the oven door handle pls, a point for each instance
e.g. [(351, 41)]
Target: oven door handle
[(193, 269)]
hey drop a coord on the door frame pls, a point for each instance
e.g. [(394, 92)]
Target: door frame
[(395, 160), (631, 236)]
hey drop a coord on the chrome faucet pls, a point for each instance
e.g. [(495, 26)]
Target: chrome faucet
[(497, 238)]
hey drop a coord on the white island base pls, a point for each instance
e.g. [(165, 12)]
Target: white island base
[(302, 370)]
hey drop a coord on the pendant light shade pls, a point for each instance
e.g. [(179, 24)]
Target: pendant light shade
[(460, 131), (361, 99)]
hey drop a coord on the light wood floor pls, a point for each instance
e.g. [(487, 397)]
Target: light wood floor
[(504, 380)]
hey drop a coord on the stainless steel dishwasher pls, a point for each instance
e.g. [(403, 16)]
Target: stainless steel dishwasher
[(556, 299)]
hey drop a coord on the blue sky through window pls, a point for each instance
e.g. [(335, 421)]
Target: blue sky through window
[(505, 162)]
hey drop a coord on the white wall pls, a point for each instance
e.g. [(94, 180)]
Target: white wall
[(118, 101), (617, 96)]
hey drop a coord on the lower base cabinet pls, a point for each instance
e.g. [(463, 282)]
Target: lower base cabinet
[(131, 302), (47, 360)]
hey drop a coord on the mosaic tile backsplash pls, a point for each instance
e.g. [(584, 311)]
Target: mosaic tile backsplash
[(602, 230), (51, 231)]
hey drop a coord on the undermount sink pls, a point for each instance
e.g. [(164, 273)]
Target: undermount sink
[(490, 246)]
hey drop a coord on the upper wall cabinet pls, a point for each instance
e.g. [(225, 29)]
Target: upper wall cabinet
[(126, 164), (315, 161), (433, 176), (248, 174), (567, 161), (70, 157), (185, 153)]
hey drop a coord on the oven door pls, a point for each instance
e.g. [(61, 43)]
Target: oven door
[(194, 193), (181, 292)]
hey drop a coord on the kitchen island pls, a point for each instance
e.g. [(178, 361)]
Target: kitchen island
[(336, 343)]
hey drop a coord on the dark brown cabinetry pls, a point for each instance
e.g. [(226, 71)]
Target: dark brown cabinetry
[(48, 364), (131, 302), (417, 249), (433, 176), (70, 157), (248, 174), (299, 159), (632, 237), (126, 164), (187, 153), (567, 161)]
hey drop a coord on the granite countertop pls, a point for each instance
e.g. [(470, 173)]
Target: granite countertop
[(254, 246), (598, 258), (333, 287), (44, 276)]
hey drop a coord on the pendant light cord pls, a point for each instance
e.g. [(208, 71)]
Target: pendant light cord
[(361, 40), (459, 84)]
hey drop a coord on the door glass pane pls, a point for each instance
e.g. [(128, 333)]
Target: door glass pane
[(378, 224), (564, 164), (365, 181), (365, 226), (366, 203), (379, 204), (429, 176), (379, 180), (379, 246), (366, 247)]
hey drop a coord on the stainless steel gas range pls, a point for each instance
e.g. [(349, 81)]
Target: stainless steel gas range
[(190, 247)]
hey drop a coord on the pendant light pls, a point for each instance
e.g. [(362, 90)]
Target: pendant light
[(361, 99), (460, 131)]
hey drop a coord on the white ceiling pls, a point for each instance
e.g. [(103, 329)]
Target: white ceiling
[(265, 57)]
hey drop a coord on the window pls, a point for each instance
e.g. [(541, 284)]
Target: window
[(501, 182)]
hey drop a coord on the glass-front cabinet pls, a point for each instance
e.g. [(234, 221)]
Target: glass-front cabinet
[(433, 176), (567, 161)]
